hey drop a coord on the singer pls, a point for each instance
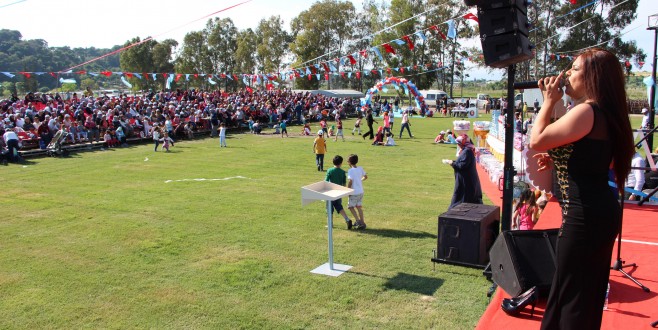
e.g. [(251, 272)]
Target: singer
[(593, 137)]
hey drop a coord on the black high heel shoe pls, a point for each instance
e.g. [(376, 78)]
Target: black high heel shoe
[(513, 306)]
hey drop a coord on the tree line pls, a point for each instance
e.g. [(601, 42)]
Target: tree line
[(327, 30)]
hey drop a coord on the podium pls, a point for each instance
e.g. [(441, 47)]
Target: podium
[(328, 192)]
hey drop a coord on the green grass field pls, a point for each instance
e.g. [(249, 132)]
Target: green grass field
[(103, 240), (126, 238)]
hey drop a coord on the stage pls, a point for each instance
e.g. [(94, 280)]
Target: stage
[(628, 306)]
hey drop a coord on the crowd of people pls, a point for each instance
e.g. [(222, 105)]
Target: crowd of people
[(172, 114)]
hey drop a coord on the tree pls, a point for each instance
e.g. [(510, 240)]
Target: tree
[(68, 87), (272, 44), (245, 55), (604, 22), (320, 34), (89, 83), (194, 57), (222, 44)]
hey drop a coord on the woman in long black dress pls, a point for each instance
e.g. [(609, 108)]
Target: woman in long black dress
[(467, 182), (583, 145)]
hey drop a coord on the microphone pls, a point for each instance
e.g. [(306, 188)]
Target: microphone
[(533, 84)]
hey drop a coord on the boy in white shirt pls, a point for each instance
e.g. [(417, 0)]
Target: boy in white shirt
[(355, 177)]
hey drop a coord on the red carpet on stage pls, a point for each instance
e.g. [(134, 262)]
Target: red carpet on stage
[(628, 306)]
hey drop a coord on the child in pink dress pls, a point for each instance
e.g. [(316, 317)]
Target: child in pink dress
[(526, 212)]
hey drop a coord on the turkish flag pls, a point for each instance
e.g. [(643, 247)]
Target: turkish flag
[(326, 67), (326, 76), (352, 60), (388, 48), (473, 17), (106, 73), (409, 42), (358, 75), (364, 53)]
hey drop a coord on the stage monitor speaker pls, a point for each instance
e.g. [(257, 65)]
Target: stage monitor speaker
[(466, 232), (521, 259)]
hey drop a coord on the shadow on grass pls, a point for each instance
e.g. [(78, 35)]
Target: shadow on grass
[(393, 233), (414, 283)]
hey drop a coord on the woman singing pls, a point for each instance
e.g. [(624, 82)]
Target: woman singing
[(583, 145)]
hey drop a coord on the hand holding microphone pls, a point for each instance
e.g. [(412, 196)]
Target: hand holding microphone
[(552, 87)]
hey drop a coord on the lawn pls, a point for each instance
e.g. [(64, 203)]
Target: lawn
[(130, 238), (127, 238)]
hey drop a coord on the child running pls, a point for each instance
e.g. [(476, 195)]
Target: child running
[(355, 177), (337, 175)]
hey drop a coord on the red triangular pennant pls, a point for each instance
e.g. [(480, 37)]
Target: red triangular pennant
[(364, 53), (326, 76), (352, 60), (402, 70), (388, 48), (409, 42), (128, 74), (81, 72), (26, 74), (358, 75), (326, 67), (106, 73)]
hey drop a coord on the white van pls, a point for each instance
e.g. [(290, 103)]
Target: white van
[(482, 100), (432, 95)]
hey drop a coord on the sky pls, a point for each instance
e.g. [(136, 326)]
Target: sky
[(103, 24)]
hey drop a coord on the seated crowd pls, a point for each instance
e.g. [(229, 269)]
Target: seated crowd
[(34, 120)]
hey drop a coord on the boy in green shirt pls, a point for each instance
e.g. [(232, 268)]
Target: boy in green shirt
[(338, 176)]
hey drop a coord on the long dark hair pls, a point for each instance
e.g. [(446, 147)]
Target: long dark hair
[(606, 85)]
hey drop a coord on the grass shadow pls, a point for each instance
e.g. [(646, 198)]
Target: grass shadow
[(414, 283), (394, 233)]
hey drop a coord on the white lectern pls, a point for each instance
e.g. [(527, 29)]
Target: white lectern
[(328, 192)]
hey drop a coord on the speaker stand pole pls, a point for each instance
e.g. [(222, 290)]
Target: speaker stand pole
[(508, 167), (619, 264)]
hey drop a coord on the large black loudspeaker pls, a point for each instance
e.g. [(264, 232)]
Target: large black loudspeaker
[(504, 29), (521, 259), (466, 232)]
